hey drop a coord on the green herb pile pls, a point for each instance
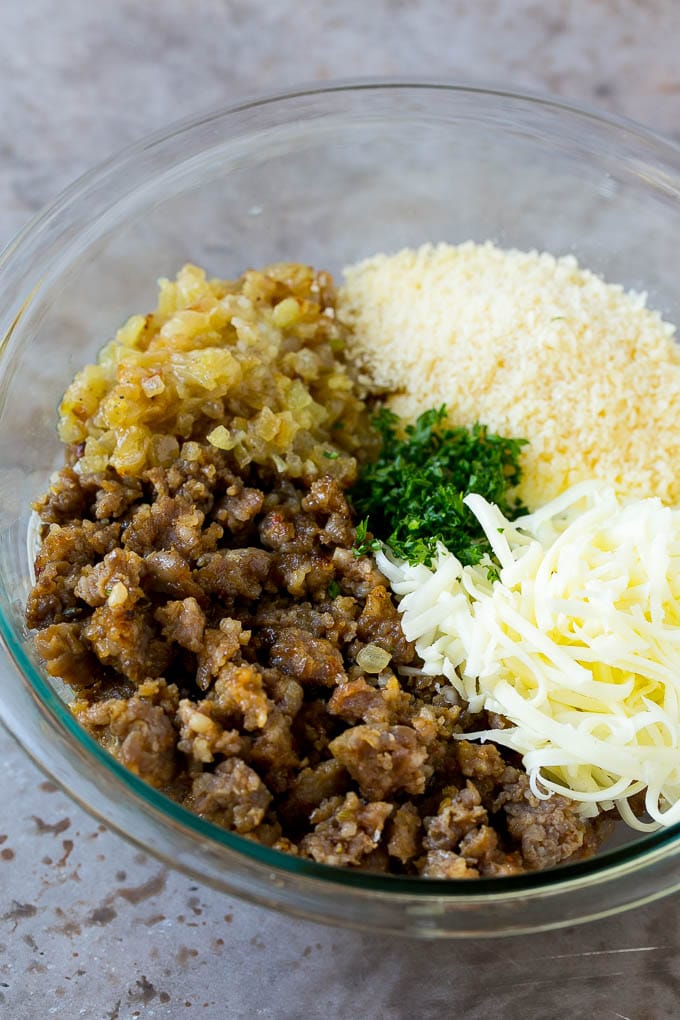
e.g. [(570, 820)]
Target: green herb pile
[(411, 497)]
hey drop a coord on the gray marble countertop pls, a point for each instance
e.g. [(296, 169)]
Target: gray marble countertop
[(89, 927)]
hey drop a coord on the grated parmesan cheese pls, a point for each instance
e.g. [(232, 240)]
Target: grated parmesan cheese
[(532, 346), (577, 643)]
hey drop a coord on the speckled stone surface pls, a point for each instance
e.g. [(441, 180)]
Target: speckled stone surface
[(89, 927)]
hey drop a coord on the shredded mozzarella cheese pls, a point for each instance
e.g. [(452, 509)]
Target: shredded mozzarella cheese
[(577, 644)]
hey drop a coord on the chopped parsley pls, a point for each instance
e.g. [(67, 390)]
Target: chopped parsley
[(362, 543), (411, 497), (333, 590), (331, 454)]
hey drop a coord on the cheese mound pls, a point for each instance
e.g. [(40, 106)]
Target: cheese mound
[(532, 346), (576, 644)]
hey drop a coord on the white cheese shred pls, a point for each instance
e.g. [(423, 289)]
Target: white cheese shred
[(577, 644)]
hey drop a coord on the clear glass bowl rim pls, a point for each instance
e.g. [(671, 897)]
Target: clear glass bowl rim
[(606, 866)]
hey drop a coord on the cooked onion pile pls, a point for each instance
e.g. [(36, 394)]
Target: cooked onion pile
[(253, 365)]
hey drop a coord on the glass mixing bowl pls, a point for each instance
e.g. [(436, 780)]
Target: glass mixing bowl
[(326, 176)]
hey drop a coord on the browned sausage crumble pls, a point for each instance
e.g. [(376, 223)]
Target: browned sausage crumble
[(198, 590)]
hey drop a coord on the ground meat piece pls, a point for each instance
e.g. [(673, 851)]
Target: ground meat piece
[(357, 575), (168, 574), (346, 830), (65, 499), (274, 615), (480, 849), (504, 865), (446, 864), (301, 564), (218, 648), (404, 837), (436, 726), (268, 833), (380, 624), (459, 812), (182, 622), (276, 529), (286, 693), (549, 831), (310, 787), (307, 531), (597, 830), (313, 729), (272, 752), (114, 495), (285, 846), (334, 620), (398, 705), (239, 695), (480, 761), (66, 655), (231, 573), (238, 507), (325, 497), (60, 560), (170, 523), (326, 500), (377, 862), (199, 494), (494, 721), (337, 530), (479, 844), (344, 611), (310, 660), (232, 796), (383, 760), (116, 579), (355, 700), (426, 722), (125, 638), (194, 478), (138, 732), (429, 689), (302, 572), (387, 704), (201, 736)]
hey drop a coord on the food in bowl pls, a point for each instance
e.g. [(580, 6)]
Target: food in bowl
[(229, 558)]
